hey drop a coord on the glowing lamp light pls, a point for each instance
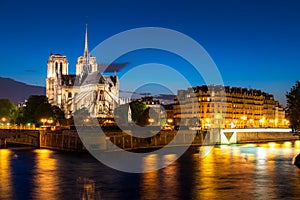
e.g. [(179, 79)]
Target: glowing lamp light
[(150, 120), (272, 144), (244, 117), (169, 120), (218, 116), (287, 144), (262, 120), (43, 120), (297, 144)]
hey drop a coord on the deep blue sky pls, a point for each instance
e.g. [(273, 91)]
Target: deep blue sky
[(254, 43)]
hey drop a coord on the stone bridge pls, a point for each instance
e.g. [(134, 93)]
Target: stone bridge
[(19, 136), (114, 140), (59, 140)]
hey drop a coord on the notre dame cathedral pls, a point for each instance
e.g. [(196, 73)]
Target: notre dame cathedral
[(88, 88)]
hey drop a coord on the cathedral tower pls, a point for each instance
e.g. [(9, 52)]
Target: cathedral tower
[(57, 67), (86, 63)]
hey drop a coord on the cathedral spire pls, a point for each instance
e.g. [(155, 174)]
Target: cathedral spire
[(86, 49)]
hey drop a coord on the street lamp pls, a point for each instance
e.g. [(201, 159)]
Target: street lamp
[(43, 120), (151, 120), (170, 121), (3, 119), (50, 121)]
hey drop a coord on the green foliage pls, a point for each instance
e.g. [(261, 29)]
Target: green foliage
[(293, 107), (34, 106), (37, 107), (139, 113), (18, 116), (58, 115), (144, 118), (6, 109), (43, 110)]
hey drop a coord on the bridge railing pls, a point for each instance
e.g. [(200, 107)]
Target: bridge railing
[(19, 127)]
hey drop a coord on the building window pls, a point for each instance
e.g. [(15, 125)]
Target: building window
[(101, 96), (60, 68), (56, 67)]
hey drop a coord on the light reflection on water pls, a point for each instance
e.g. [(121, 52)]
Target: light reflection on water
[(250, 171), (46, 179), (5, 177)]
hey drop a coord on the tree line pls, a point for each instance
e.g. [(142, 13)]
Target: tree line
[(36, 108)]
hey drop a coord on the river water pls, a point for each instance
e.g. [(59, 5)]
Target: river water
[(250, 171)]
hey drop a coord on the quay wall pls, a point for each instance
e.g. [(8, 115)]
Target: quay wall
[(61, 140), (253, 137), (68, 140), (22, 137)]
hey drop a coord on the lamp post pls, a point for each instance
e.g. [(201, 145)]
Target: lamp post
[(3, 119), (50, 121), (170, 121), (43, 120), (150, 120)]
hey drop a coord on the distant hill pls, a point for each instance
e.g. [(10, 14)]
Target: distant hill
[(18, 91)]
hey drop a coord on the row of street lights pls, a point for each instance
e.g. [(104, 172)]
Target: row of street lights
[(48, 121)]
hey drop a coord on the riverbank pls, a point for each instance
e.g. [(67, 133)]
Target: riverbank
[(69, 140)]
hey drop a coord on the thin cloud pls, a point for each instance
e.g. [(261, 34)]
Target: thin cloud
[(30, 70)]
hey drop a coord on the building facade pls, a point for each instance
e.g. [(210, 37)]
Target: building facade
[(228, 107), (88, 88)]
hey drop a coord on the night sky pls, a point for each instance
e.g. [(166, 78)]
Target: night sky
[(254, 43)]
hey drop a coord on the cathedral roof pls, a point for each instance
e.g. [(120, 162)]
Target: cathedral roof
[(93, 78), (68, 80)]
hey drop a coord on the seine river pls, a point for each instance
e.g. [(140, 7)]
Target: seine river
[(250, 171)]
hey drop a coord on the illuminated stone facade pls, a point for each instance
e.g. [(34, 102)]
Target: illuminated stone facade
[(88, 88), (228, 107)]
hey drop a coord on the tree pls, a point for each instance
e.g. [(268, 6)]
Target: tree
[(139, 112), (17, 116), (42, 111), (59, 115), (293, 107), (6, 109), (37, 107)]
